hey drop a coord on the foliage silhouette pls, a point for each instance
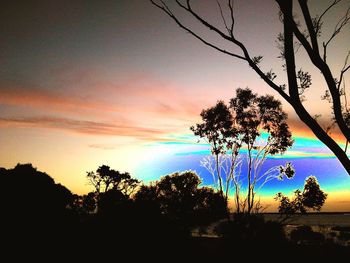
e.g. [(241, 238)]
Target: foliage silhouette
[(253, 231), (306, 35), (306, 236), (179, 197), (85, 204), (312, 197), (105, 178), (33, 193)]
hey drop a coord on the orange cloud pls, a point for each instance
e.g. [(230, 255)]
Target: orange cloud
[(141, 108), (36, 97), (85, 127)]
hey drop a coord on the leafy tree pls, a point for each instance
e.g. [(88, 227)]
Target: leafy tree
[(105, 179), (217, 130), (230, 130), (31, 192), (312, 197), (306, 35), (113, 190), (180, 198)]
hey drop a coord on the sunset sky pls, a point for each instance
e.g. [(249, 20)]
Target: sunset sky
[(86, 83)]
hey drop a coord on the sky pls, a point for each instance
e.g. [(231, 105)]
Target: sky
[(86, 83)]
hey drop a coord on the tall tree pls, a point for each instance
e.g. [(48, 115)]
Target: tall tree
[(217, 130), (239, 127), (293, 38)]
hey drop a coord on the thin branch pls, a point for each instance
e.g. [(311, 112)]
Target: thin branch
[(170, 14), (222, 16), (189, 9), (324, 12), (310, 27), (337, 29), (230, 6), (246, 56), (344, 69)]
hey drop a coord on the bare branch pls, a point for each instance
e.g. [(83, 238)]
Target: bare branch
[(222, 16), (319, 20), (189, 9), (338, 27), (246, 56), (170, 14), (230, 6), (344, 69)]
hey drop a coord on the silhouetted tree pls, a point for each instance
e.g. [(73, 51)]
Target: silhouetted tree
[(254, 115), (105, 179), (113, 190), (312, 197), (228, 129), (179, 197), (28, 191), (217, 130), (34, 210), (293, 38)]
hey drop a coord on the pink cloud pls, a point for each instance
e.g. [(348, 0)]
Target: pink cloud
[(36, 97), (85, 127), (144, 101)]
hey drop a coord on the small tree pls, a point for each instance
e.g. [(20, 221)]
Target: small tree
[(112, 189), (105, 179), (312, 197)]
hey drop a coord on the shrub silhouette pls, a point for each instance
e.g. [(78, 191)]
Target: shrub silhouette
[(31, 194), (179, 197), (251, 230), (306, 236)]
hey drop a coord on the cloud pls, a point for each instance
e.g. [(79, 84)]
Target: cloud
[(140, 107), (85, 127), (50, 100)]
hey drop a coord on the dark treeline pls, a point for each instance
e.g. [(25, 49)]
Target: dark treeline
[(124, 218)]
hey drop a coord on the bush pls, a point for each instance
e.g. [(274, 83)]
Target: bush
[(306, 236), (252, 229)]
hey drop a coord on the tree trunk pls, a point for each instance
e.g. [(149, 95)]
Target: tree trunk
[(249, 179), (219, 175)]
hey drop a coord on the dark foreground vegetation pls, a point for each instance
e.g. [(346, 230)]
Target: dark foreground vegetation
[(121, 219)]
